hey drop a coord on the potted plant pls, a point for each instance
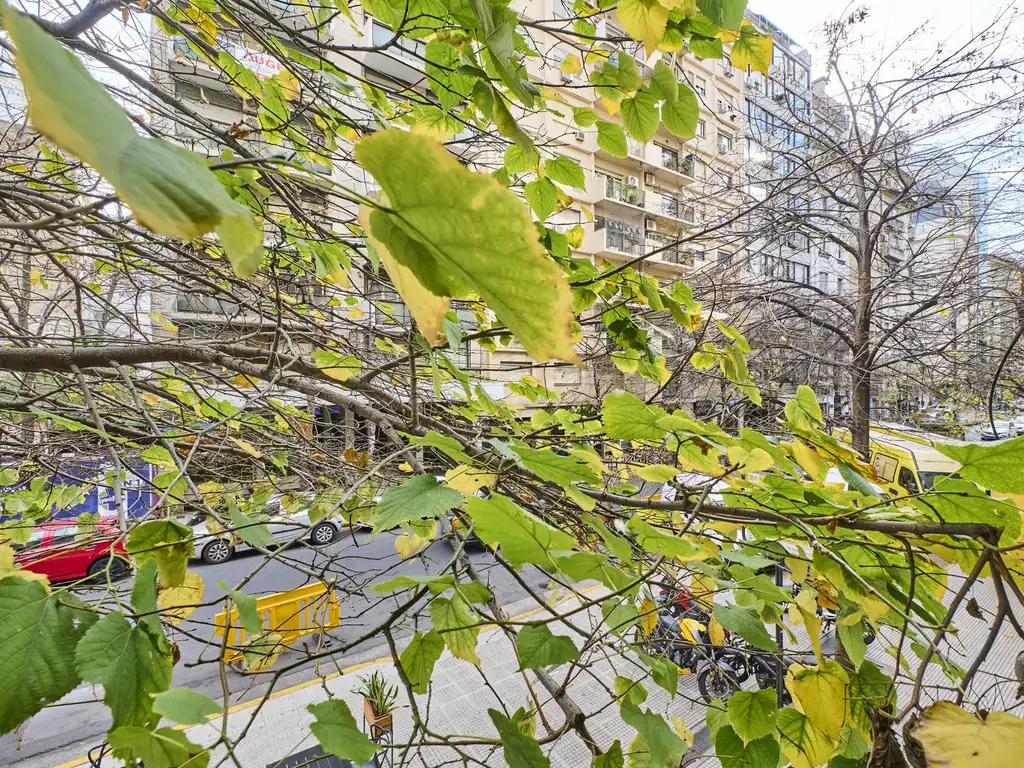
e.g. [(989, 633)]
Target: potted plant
[(378, 702)]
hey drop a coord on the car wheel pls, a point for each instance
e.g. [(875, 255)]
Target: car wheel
[(716, 681), (217, 551), (322, 534), (118, 568)]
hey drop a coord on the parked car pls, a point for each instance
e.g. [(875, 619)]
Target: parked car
[(215, 546), (62, 551)]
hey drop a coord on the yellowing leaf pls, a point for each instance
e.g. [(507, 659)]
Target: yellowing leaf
[(241, 380), (716, 632), (643, 20), (461, 232), (820, 693), (168, 189), (408, 544), (691, 629), (150, 399), (648, 617), (248, 447), (657, 473), (468, 480), (954, 738), (262, 651), (181, 601), (750, 460), (802, 743), (9, 568), (808, 459), (289, 85), (752, 49), (339, 367), (571, 64)]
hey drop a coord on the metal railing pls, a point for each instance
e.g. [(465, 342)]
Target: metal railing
[(614, 189)]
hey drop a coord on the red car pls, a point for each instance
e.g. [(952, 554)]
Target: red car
[(55, 550)]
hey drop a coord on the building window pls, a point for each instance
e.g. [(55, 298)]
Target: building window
[(823, 281), (727, 68), (697, 83), (702, 129), (724, 144), (724, 259), (801, 273)]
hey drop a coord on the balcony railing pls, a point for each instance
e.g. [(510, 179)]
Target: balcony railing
[(614, 189), (673, 162), (677, 210), (621, 237)]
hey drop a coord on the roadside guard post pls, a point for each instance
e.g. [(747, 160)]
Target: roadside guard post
[(293, 614)]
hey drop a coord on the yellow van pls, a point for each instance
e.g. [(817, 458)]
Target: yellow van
[(906, 460)]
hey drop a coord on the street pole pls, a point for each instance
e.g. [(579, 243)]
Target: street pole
[(780, 682)]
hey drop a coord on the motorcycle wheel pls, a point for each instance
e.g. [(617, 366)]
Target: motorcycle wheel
[(716, 681), (869, 635)]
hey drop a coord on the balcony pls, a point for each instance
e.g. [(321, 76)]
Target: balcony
[(622, 192), (671, 208), (401, 58), (684, 166)]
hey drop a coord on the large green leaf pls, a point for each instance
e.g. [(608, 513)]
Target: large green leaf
[(957, 501), (125, 660), (626, 417), (38, 635), (746, 623), (752, 713), (162, 748), (804, 745), (643, 20), (252, 532), (732, 752), (724, 13), (611, 139), (659, 543), (185, 706), (539, 647), (542, 195), (611, 757), (248, 614), (999, 466), (169, 189), (666, 748), (565, 170), (497, 25), (339, 734), (681, 116), (663, 671), (419, 657), (449, 446), (443, 78), (169, 543), (521, 751), (640, 116), (418, 498), (453, 621), (556, 468), (459, 231), (522, 536)]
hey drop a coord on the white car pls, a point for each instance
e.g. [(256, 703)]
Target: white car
[(284, 526)]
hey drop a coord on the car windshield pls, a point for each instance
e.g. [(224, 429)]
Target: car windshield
[(928, 479)]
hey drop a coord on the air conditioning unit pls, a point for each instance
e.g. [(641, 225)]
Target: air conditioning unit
[(650, 225), (632, 181), (566, 79), (648, 178), (579, 136)]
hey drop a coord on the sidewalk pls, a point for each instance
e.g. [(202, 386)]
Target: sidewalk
[(456, 704)]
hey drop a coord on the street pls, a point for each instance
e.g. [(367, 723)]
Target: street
[(355, 560)]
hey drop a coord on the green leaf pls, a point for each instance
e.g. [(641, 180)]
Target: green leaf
[(497, 32), (449, 446), (752, 49), (453, 621), (752, 713), (38, 635), (522, 536), (706, 47), (459, 231), (339, 367), (658, 542), (611, 758), (419, 657), (584, 117), (681, 116), (746, 623), (253, 533), (997, 466), (339, 734), (157, 454), (169, 543), (640, 116), (629, 691), (643, 20), (260, 653), (611, 139), (418, 498), (724, 13), (144, 598), (555, 468), (443, 78), (185, 706), (803, 413), (521, 751), (163, 748), (804, 745), (626, 417), (519, 160), (664, 83), (618, 546), (542, 195), (733, 753), (436, 584), (125, 660), (538, 647), (247, 611), (169, 189), (821, 693), (663, 671), (565, 170), (957, 501), (666, 748), (852, 638)]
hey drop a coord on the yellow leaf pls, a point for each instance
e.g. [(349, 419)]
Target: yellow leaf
[(682, 730), (427, 309), (804, 610), (262, 651), (703, 589), (467, 480), (799, 569), (954, 738), (243, 381), (574, 235), (805, 745), (691, 629), (9, 568), (753, 460), (657, 473), (150, 399), (716, 632), (808, 459), (249, 448), (180, 602), (289, 85), (356, 312), (648, 617), (571, 64), (407, 544), (405, 466), (752, 49), (643, 20), (820, 693)]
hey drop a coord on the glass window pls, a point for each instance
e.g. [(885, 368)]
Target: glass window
[(724, 259), (724, 143), (702, 129), (908, 481), (801, 273)]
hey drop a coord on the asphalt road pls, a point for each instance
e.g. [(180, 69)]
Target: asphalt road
[(354, 560)]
